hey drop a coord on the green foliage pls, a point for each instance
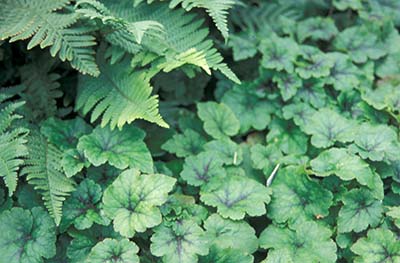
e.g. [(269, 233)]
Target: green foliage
[(43, 170), (27, 235), (122, 251), (12, 143), (132, 201), (120, 149), (125, 136)]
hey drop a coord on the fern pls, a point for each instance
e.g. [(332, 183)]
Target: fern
[(185, 40), (44, 172), (23, 19), (12, 142), (217, 9), (120, 95), (41, 88), (93, 9)]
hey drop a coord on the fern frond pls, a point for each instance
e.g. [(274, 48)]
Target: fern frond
[(183, 35), (93, 9), (119, 95), (41, 87), (217, 9), (12, 143), (23, 19), (44, 172)]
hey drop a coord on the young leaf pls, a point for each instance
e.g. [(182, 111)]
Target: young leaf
[(295, 197), (113, 250), (347, 167), (359, 211), (180, 242), (219, 120), (327, 127), (381, 245), (235, 196), (303, 242), (26, 235), (186, 144), (132, 200), (120, 148), (199, 169), (225, 233), (82, 208)]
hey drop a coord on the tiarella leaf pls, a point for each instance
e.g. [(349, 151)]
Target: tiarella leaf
[(316, 66), (64, 134), (224, 233), (346, 166), (219, 121), (347, 4), (376, 142), (227, 255), (235, 196), (200, 169), (251, 111), (227, 151), (381, 245), (359, 211), (360, 44), (82, 208), (301, 113), (394, 212), (120, 148), (133, 200), (384, 97), (73, 162), (265, 157), (27, 235), (279, 53), (181, 242), (113, 250), (186, 144), (295, 197), (287, 84), (327, 127), (316, 28), (303, 242), (287, 137)]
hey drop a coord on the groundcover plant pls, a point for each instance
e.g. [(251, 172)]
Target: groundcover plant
[(211, 131)]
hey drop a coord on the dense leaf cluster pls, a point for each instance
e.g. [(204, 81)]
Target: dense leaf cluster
[(124, 137)]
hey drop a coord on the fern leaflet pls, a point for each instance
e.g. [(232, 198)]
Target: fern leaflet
[(44, 172)]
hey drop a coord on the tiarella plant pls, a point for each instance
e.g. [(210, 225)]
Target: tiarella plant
[(126, 137)]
